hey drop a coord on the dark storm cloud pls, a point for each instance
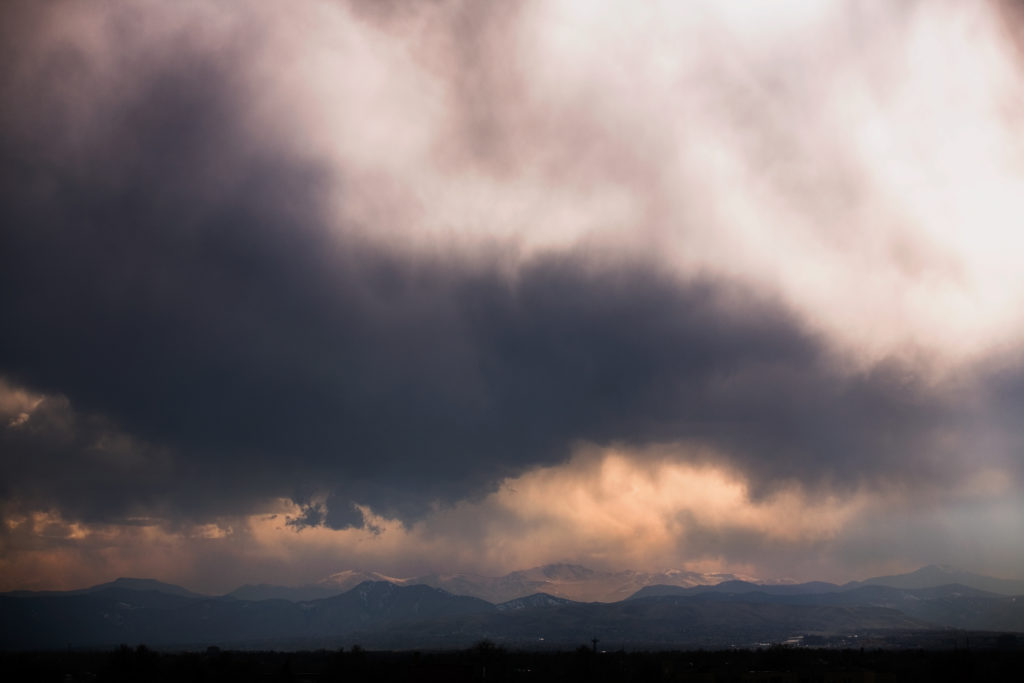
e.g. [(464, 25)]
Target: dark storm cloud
[(174, 274), (997, 424)]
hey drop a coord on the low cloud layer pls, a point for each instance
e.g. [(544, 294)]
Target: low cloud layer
[(380, 263), (604, 508)]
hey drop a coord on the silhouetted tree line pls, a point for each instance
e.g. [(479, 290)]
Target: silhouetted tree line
[(489, 662)]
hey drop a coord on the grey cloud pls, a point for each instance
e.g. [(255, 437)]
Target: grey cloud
[(313, 514), (175, 275)]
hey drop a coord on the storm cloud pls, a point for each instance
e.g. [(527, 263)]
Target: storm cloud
[(222, 318), (208, 308)]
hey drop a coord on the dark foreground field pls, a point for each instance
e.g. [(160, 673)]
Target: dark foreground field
[(485, 662)]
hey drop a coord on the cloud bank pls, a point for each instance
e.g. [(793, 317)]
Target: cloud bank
[(369, 267)]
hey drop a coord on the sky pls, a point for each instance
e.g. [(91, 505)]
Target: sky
[(453, 286)]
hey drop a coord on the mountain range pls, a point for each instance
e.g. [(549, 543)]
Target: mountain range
[(582, 584), (399, 614), (573, 582)]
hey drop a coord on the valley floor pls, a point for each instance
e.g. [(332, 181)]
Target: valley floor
[(486, 662)]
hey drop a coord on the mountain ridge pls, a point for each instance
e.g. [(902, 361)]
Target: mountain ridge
[(582, 584), (936, 574), (389, 615), (566, 581)]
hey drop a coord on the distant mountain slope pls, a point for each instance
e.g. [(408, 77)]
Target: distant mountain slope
[(348, 579), (335, 584), (122, 583), (265, 591), (382, 614), (378, 602), (569, 581), (387, 614), (535, 601), (146, 585), (110, 616), (738, 587), (952, 606), (582, 584), (493, 589), (933, 575)]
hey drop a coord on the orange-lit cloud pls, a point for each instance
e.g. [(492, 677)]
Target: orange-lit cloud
[(608, 508)]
